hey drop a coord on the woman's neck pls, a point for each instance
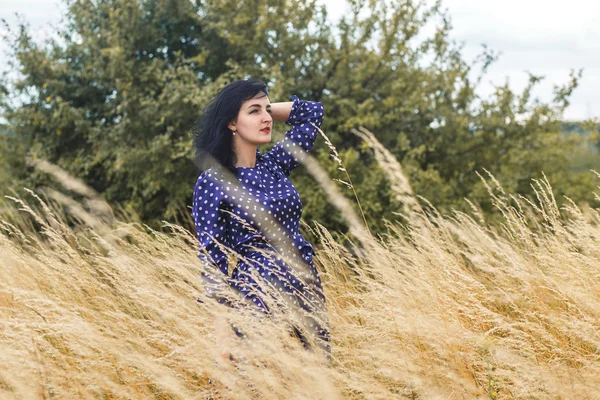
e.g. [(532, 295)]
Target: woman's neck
[(246, 155)]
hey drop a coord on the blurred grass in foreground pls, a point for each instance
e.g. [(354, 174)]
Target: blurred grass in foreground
[(442, 307)]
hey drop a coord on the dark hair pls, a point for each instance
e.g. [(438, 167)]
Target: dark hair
[(213, 140)]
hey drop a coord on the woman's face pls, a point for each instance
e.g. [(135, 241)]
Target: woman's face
[(254, 121)]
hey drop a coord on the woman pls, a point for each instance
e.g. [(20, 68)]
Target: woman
[(261, 211)]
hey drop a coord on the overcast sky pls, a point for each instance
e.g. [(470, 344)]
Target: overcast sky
[(541, 36)]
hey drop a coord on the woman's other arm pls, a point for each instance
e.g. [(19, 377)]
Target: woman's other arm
[(281, 111), (211, 226)]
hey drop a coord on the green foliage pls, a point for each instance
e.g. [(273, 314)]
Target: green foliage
[(113, 99)]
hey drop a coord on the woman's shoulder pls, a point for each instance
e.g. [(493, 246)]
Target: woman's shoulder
[(212, 175), (210, 181)]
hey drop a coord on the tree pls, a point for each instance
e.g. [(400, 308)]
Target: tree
[(113, 99)]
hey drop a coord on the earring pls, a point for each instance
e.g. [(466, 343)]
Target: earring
[(233, 131)]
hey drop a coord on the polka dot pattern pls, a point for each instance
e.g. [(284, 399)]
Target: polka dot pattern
[(265, 202)]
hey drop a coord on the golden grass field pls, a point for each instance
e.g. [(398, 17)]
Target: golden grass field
[(444, 307)]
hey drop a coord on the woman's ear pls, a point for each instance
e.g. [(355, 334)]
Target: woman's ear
[(231, 126)]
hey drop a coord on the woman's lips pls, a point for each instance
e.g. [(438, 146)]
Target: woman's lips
[(266, 130)]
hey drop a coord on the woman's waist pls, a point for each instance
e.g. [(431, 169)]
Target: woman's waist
[(254, 246), (248, 243)]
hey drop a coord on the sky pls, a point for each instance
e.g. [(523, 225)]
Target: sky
[(544, 37)]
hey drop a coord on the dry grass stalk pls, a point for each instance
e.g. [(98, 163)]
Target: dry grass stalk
[(336, 157), (399, 182), (93, 199), (355, 226)]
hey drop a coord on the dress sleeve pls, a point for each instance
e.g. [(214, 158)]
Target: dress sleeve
[(211, 228), (300, 137)]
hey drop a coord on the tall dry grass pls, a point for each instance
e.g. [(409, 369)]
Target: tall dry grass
[(444, 307)]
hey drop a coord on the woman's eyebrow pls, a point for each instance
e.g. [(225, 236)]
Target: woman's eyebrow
[(258, 105)]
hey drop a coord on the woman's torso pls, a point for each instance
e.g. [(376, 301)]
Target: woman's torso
[(266, 196)]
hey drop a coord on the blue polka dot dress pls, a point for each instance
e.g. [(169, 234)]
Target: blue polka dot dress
[(262, 211)]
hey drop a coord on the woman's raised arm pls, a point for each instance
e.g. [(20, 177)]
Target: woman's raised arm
[(304, 117)]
